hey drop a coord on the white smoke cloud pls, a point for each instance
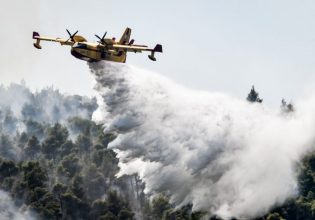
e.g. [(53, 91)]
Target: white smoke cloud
[(222, 154), (8, 211), (47, 105)]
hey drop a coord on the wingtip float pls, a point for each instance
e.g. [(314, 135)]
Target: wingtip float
[(104, 49)]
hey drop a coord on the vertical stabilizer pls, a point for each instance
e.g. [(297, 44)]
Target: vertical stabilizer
[(125, 37)]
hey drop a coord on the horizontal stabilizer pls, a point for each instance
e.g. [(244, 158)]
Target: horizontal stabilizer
[(38, 46)]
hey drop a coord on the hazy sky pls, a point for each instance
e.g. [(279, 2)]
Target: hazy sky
[(214, 45)]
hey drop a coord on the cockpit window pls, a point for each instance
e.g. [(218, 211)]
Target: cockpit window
[(79, 45)]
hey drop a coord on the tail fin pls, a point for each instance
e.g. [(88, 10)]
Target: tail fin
[(157, 48), (37, 37), (125, 37)]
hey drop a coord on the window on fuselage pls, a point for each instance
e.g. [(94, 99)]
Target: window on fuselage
[(80, 45)]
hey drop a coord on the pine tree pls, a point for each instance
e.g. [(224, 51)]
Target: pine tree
[(286, 108), (253, 96)]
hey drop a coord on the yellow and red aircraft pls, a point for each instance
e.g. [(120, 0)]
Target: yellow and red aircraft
[(104, 49)]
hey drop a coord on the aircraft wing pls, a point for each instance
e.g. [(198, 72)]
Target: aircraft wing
[(131, 48), (137, 48), (38, 38)]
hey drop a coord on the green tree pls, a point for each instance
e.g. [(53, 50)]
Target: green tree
[(253, 96), (68, 148), (34, 175), (95, 182), (285, 107), (22, 140), (34, 128), (79, 125), (84, 143), (125, 214), (106, 160), (108, 216), (104, 139), (44, 204), (115, 203), (78, 188), (160, 204), (7, 148), (9, 122), (31, 111), (307, 175), (99, 208), (32, 149), (7, 169), (56, 137), (274, 216), (73, 207), (70, 166), (198, 215), (59, 189)]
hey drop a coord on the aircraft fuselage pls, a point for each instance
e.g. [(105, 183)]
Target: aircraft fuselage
[(92, 52)]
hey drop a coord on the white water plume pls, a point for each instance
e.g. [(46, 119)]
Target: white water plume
[(222, 154)]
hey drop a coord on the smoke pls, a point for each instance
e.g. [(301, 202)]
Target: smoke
[(24, 111), (47, 105), (222, 154), (8, 211)]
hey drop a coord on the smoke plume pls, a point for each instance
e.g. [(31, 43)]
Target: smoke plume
[(8, 211), (222, 154)]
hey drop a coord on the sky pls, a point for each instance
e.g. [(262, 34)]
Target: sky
[(213, 45)]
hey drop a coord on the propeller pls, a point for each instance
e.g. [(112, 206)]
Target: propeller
[(71, 36), (101, 40)]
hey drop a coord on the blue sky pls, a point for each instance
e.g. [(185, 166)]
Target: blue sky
[(214, 45)]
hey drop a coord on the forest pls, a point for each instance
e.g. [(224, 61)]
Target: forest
[(55, 164)]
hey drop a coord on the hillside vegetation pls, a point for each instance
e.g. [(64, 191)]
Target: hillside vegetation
[(55, 164)]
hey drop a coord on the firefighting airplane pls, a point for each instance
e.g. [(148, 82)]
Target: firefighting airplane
[(104, 49)]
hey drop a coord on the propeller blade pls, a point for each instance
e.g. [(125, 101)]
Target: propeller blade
[(68, 32), (71, 35), (98, 37), (101, 40), (104, 35), (75, 33)]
